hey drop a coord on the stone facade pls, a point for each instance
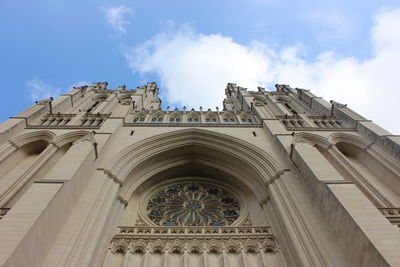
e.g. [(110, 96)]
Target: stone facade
[(101, 177)]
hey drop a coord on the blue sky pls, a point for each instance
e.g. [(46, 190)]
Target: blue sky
[(342, 50)]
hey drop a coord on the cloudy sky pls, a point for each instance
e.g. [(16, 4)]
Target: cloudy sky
[(348, 51)]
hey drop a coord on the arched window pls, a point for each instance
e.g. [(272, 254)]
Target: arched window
[(193, 120), (247, 121), (211, 120), (379, 182), (157, 120), (92, 107), (229, 120), (139, 120), (291, 109), (17, 174), (175, 120)]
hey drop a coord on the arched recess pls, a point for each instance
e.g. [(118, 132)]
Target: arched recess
[(358, 160), (289, 107), (28, 158), (194, 153), (362, 161), (181, 155), (131, 157)]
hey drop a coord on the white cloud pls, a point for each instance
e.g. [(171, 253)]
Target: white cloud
[(115, 16), (40, 90), (194, 68)]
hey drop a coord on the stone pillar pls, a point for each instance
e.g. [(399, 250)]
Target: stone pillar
[(64, 182), (26, 225), (99, 227), (10, 185), (127, 259), (366, 236), (380, 200), (205, 260), (224, 258), (185, 258), (243, 258), (146, 258), (279, 205)]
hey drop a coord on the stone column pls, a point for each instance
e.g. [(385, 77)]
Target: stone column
[(165, 259), (10, 185), (243, 258), (224, 259), (66, 180), (205, 259), (127, 259), (366, 236), (146, 258), (99, 227), (288, 228)]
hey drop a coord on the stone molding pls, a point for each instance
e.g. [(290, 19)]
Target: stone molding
[(192, 125), (87, 138), (276, 176), (151, 192), (111, 176), (254, 239), (122, 201)]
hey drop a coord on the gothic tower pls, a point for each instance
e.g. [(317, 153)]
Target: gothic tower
[(101, 177)]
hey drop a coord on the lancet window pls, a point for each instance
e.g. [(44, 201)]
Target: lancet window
[(193, 119), (139, 119), (211, 120), (229, 120)]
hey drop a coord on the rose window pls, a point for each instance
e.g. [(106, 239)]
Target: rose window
[(193, 204)]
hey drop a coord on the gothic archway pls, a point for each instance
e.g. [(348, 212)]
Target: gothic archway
[(206, 160)]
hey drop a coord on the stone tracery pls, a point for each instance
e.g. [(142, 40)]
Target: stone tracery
[(193, 204)]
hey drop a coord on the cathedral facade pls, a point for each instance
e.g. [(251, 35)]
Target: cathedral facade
[(100, 177)]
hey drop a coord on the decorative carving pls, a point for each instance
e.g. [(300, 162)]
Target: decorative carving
[(276, 176), (140, 222), (112, 176), (95, 119), (211, 117), (120, 246), (193, 117), (228, 116), (247, 221), (157, 117), (175, 117), (57, 119), (193, 204), (195, 239), (125, 96), (258, 103), (87, 138), (246, 117), (122, 200), (189, 124), (323, 123), (139, 116)]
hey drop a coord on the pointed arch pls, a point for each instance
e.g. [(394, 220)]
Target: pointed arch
[(69, 138), (30, 137), (250, 155)]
